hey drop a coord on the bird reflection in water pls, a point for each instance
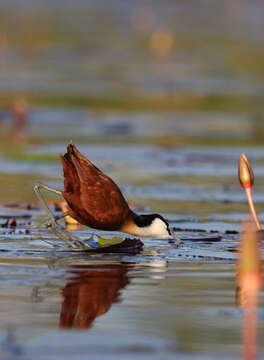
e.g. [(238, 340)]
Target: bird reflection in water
[(89, 292)]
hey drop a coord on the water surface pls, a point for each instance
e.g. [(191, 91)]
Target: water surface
[(168, 125)]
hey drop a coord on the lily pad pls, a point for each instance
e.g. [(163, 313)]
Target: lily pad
[(113, 244), (201, 237), (103, 242), (128, 245), (99, 244)]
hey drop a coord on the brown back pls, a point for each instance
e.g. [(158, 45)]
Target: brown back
[(94, 199)]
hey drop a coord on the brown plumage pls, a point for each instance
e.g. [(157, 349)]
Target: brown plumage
[(90, 292), (96, 201), (93, 198)]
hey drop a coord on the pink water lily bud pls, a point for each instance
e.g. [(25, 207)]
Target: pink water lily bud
[(245, 172)]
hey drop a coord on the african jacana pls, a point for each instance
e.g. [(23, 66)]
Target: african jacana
[(96, 201)]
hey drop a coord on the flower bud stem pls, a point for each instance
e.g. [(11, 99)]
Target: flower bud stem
[(252, 207)]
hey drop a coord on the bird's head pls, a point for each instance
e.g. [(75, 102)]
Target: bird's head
[(153, 225)]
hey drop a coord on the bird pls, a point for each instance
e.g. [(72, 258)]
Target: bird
[(96, 201)]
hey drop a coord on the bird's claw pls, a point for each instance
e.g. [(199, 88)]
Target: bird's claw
[(71, 240), (51, 223), (78, 242)]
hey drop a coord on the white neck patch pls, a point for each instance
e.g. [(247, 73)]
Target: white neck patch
[(157, 228)]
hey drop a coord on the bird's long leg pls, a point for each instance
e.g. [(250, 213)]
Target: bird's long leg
[(37, 189), (61, 216), (71, 240)]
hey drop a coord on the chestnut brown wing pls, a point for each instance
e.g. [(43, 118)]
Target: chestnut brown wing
[(71, 191), (95, 198), (71, 180)]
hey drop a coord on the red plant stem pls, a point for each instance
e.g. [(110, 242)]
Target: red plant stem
[(250, 326), (252, 207)]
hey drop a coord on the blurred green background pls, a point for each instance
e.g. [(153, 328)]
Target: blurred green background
[(147, 55), (161, 73)]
